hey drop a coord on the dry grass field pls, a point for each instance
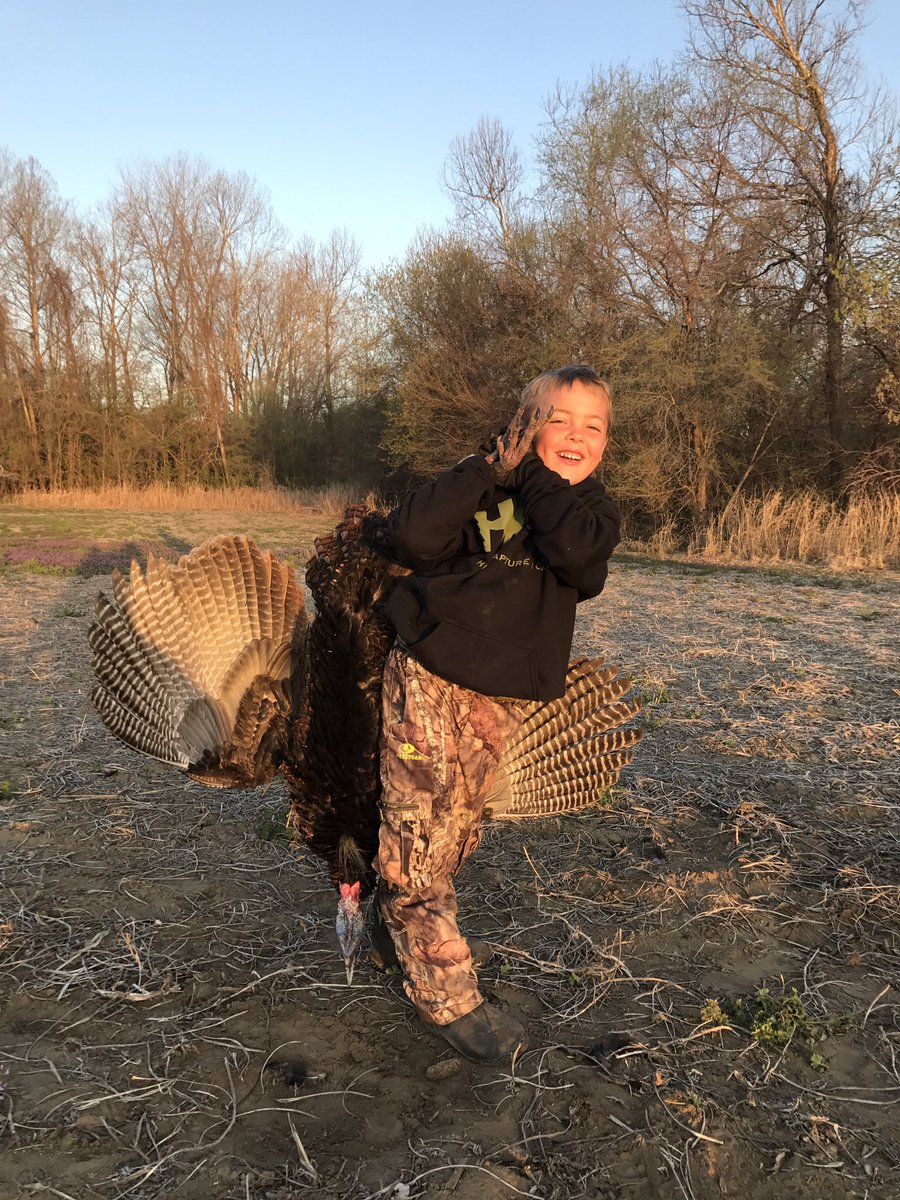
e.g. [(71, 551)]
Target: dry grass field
[(708, 967), (863, 533)]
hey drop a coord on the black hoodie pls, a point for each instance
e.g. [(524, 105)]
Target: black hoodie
[(497, 574)]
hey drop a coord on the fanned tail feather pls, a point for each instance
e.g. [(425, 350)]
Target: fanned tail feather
[(197, 662), (568, 750)]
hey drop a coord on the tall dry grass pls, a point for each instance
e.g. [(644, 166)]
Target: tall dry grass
[(806, 528), (164, 497)]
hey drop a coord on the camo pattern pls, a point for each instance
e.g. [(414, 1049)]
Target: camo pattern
[(440, 747)]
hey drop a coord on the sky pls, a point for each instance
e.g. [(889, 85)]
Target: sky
[(344, 117)]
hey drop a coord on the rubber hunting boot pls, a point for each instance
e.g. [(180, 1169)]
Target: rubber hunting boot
[(484, 1035)]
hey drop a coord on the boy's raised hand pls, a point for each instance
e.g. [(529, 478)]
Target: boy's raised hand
[(515, 442)]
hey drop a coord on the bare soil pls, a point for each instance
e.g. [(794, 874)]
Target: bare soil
[(175, 1019)]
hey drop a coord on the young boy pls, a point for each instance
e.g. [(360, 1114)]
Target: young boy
[(502, 547)]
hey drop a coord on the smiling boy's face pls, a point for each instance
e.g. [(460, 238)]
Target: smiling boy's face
[(573, 440)]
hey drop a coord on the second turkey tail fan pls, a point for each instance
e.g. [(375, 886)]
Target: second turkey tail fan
[(568, 750), (200, 663)]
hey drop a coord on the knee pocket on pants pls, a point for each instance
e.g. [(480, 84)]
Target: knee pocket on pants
[(451, 952), (404, 856)]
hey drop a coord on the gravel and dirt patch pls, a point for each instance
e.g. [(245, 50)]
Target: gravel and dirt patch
[(708, 970)]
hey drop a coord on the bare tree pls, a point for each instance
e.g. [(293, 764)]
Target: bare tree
[(461, 345), (482, 176), (797, 64), (32, 228), (660, 243), (335, 273), (105, 258), (201, 235), (585, 202), (42, 313)]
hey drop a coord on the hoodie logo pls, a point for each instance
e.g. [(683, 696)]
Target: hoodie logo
[(508, 522)]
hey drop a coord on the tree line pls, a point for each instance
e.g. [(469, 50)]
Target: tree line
[(720, 237)]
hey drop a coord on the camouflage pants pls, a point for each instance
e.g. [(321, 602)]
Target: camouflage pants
[(440, 747)]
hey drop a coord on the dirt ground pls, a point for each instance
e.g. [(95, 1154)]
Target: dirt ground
[(175, 1019)]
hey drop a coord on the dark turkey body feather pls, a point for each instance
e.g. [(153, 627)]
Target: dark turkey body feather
[(210, 665), (336, 782)]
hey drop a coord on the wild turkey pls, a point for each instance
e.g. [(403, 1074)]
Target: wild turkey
[(210, 664)]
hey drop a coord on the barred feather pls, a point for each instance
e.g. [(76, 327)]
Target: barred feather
[(560, 798), (181, 650), (563, 755)]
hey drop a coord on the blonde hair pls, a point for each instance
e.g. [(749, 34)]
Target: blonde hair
[(560, 377)]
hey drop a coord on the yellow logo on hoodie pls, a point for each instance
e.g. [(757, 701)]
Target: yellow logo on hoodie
[(508, 522)]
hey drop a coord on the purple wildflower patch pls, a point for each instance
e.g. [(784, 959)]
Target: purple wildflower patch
[(65, 556), (47, 554), (54, 555)]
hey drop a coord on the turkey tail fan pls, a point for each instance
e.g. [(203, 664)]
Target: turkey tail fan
[(568, 750), (199, 663)]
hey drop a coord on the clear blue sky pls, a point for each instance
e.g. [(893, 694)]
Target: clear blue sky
[(343, 116)]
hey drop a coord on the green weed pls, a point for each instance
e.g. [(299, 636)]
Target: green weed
[(610, 798), (33, 566), (647, 721), (270, 827), (652, 692), (684, 712), (691, 571), (775, 1021)]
